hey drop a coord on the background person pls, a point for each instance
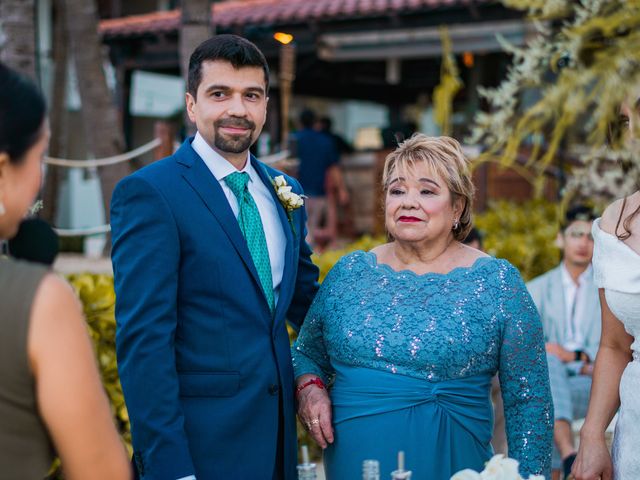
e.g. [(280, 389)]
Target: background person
[(319, 167)]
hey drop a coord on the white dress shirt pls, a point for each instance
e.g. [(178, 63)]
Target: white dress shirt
[(271, 224), (575, 296)]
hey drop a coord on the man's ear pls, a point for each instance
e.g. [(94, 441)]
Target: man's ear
[(560, 240), (191, 103)]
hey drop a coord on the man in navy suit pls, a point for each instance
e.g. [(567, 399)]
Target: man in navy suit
[(203, 351)]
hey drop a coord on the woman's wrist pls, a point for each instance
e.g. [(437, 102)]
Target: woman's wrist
[(591, 433), (307, 381)]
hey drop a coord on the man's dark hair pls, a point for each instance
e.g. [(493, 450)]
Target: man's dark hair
[(578, 213), (236, 50), (307, 118)]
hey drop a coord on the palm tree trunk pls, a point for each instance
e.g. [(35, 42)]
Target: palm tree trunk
[(57, 115), (18, 28), (196, 27), (102, 128)]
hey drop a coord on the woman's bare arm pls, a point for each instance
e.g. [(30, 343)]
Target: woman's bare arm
[(614, 354), (70, 396)]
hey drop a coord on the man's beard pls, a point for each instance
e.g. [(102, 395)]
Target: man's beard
[(233, 143)]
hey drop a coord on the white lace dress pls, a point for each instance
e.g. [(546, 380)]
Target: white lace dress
[(617, 270)]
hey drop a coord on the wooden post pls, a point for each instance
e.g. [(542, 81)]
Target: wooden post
[(164, 131), (286, 78)]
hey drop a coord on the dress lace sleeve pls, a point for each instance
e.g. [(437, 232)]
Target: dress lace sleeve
[(524, 378), (309, 352)]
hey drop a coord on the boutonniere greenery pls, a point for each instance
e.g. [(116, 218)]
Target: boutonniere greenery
[(290, 200)]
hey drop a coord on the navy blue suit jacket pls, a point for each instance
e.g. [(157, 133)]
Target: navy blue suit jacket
[(202, 361)]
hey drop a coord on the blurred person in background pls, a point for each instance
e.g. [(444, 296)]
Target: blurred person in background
[(319, 170), (410, 334), (616, 375), (339, 212), (50, 392), (567, 300), (325, 125)]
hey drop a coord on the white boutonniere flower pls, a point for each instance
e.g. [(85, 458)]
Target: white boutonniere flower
[(289, 200)]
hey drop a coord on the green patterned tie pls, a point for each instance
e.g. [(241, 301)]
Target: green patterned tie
[(251, 227)]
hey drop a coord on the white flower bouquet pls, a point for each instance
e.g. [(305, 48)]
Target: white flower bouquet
[(498, 468)]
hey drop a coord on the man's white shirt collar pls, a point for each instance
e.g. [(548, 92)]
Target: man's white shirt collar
[(567, 280)]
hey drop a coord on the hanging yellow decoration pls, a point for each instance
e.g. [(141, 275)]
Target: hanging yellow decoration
[(450, 84), (580, 67)]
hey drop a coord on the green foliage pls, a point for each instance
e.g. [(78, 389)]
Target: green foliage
[(523, 233), (98, 301)]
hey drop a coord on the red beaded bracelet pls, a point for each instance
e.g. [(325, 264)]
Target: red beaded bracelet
[(314, 381)]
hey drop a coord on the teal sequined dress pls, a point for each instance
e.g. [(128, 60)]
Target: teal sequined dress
[(410, 358)]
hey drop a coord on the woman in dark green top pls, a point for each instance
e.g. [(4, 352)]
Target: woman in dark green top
[(50, 391)]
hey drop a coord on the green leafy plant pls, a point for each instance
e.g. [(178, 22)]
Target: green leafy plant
[(524, 234), (98, 300)]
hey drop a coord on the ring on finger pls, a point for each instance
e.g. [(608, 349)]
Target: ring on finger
[(315, 421)]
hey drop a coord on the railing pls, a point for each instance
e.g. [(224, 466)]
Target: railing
[(124, 157), (103, 162)]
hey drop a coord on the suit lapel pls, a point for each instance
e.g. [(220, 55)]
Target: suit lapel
[(289, 261), (208, 189)]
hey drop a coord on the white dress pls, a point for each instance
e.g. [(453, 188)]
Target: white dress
[(617, 270)]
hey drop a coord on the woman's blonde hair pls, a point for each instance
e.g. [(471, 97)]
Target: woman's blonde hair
[(444, 156)]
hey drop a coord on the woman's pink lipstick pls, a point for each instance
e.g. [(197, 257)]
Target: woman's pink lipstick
[(409, 219)]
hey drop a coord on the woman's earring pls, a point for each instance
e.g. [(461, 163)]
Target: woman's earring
[(456, 224)]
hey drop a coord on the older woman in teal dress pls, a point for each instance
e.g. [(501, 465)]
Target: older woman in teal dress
[(407, 337)]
